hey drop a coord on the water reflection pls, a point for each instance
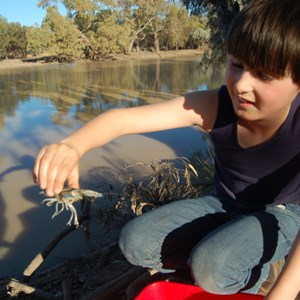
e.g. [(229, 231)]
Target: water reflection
[(41, 105), (90, 88)]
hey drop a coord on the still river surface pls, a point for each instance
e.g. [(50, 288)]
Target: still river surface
[(42, 104)]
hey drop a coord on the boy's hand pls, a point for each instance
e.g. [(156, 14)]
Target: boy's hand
[(54, 165)]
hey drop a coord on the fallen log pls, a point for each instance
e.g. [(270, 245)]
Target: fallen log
[(48, 59), (36, 59)]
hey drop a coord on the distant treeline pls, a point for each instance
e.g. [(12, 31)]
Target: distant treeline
[(97, 30)]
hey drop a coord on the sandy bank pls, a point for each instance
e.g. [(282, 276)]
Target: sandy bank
[(18, 63)]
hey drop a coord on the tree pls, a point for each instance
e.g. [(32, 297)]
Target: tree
[(225, 10), (158, 10), (4, 37), (200, 34), (17, 40), (136, 15), (13, 39), (38, 39), (83, 13), (101, 28), (220, 14), (110, 37), (98, 22), (66, 40), (178, 27)]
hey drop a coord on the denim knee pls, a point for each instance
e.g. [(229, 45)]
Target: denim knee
[(213, 271), (130, 243), (138, 244)]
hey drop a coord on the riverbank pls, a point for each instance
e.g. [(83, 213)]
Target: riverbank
[(18, 63)]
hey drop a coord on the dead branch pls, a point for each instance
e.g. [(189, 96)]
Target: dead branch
[(66, 287), (41, 256), (108, 290)]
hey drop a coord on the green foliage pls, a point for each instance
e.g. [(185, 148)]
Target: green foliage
[(97, 29), (219, 15), (4, 37), (82, 12), (65, 38), (179, 26), (106, 38), (38, 40), (13, 39), (199, 34)]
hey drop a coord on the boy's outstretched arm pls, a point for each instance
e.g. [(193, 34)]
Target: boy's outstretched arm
[(57, 163), (287, 285)]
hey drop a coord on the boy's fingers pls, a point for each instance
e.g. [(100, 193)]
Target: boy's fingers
[(48, 168), (62, 169), (54, 165), (36, 166), (58, 178), (73, 180)]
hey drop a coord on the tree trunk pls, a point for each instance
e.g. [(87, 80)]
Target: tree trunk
[(130, 46), (156, 43)]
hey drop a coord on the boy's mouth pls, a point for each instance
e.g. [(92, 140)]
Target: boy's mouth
[(244, 101)]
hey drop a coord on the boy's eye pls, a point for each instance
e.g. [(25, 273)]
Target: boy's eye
[(237, 65), (264, 77)]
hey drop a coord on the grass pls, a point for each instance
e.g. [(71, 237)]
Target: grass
[(148, 186)]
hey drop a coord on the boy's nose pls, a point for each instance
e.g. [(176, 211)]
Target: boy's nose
[(244, 82)]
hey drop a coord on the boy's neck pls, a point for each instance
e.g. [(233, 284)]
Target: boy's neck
[(252, 133)]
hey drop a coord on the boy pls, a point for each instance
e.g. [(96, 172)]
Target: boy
[(227, 239)]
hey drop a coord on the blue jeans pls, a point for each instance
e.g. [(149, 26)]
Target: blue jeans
[(227, 247)]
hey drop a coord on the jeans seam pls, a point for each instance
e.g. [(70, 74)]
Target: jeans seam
[(288, 212), (150, 250)]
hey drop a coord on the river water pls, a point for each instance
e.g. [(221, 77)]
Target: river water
[(42, 104)]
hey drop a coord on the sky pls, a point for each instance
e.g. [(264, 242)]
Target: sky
[(25, 12)]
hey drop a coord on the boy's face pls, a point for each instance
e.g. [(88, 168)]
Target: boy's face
[(256, 96)]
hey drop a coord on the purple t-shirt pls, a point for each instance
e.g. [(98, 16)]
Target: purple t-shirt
[(264, 174)]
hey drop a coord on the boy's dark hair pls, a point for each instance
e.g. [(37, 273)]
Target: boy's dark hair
[(266, 37)]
